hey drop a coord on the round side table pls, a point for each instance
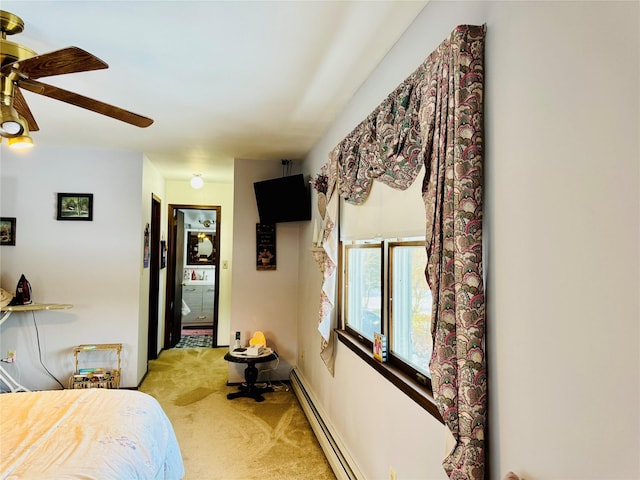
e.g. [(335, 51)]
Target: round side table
[(249, 388)]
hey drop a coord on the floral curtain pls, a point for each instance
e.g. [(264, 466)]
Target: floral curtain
[(434, 118)]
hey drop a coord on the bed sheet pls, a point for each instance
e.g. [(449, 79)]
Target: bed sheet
[(87, 434)]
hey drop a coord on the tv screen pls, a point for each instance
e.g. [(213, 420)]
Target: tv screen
[(284, 199)]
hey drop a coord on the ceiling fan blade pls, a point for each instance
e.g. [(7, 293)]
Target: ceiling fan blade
[(58, 62), (20, 104), (85, 102)]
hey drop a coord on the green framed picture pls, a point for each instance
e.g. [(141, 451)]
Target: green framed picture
[(7, 231), (75, 206)]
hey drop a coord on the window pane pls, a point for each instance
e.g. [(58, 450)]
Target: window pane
[(411, 307), (364, 289)]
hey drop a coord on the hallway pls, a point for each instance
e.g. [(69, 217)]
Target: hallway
[(237, 439)]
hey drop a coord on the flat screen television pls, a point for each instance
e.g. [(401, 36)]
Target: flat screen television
[(285, 199)]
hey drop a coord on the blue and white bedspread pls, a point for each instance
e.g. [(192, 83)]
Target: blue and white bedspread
[(90, 434)]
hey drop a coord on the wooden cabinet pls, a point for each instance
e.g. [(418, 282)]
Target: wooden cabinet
[(199, 299)]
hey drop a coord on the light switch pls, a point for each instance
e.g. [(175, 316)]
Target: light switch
[(225, 264)]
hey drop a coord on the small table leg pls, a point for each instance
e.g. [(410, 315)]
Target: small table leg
[(249, 389)]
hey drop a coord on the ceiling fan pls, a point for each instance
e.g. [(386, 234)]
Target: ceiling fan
[(20, 67)]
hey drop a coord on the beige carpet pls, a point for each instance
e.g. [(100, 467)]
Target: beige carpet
[(238, 439)]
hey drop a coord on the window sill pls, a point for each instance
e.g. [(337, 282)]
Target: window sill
[(412, 388)]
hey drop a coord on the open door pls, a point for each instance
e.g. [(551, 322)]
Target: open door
[(173, 313)]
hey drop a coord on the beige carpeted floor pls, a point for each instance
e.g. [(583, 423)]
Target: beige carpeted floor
[(238, 439)]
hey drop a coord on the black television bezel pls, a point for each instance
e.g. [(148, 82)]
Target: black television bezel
[(283, 199)]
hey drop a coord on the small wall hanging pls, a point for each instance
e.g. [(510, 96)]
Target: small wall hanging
[(75, 206), (266, 246), (7, 231), (163, 254), (146, 252)]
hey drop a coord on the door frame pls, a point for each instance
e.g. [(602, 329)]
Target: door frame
[(154, 279), (172, 266)]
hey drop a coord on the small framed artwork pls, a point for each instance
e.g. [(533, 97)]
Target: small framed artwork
[(7, 231), (266, 246), (75, 206), (163, 254)]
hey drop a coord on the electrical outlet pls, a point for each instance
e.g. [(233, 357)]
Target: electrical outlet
[(392, 473), (11, 356)]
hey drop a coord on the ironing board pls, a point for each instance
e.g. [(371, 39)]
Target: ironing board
[(5, 312)]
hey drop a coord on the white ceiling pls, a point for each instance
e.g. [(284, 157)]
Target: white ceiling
[(221, 79)]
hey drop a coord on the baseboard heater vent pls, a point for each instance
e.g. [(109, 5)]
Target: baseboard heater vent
[(341, 462)]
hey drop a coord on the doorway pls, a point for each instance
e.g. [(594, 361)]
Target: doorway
[(193, 272), (154, 279)]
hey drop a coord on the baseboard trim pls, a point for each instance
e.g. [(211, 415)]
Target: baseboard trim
[(341, 462)]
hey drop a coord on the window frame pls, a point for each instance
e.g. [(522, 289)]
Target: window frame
[(344, 307), (405, 377), (398, 362)]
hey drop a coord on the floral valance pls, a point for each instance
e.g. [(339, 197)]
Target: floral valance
[(386, 146)]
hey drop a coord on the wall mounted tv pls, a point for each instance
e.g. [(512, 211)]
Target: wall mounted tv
[(284, 199)]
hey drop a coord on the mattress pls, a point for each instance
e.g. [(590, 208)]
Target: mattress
[(91, 433)]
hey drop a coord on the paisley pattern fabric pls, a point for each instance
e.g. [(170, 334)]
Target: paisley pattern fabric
[(451, 122), (386, 146), (435, 118)]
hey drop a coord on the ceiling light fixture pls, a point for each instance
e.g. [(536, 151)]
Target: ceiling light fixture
[(10, 124), (196, 181), (23, 141)]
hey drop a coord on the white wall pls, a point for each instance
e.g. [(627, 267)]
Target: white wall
[(263, 300), (181, 193), (562, 230), (96, 266)]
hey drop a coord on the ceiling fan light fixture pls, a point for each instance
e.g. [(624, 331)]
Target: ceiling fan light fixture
[(196, 181), (10, 124), (23, 142)]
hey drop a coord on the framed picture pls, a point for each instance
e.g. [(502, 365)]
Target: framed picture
[(7, 231), (266, 246), (75, 206)]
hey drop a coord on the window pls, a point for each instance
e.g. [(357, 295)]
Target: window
[(363, 305), (384, 290), (410, 313)]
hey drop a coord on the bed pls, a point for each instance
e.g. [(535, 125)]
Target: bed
[(90, 433)]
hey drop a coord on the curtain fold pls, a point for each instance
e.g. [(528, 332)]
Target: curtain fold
[(452, 126), (435, 118)]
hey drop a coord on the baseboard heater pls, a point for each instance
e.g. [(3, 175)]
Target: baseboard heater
[(341, 462)]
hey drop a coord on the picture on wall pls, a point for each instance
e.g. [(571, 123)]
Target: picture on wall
[(163, 254), (7, 231), (266, 246), (75, 206)]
